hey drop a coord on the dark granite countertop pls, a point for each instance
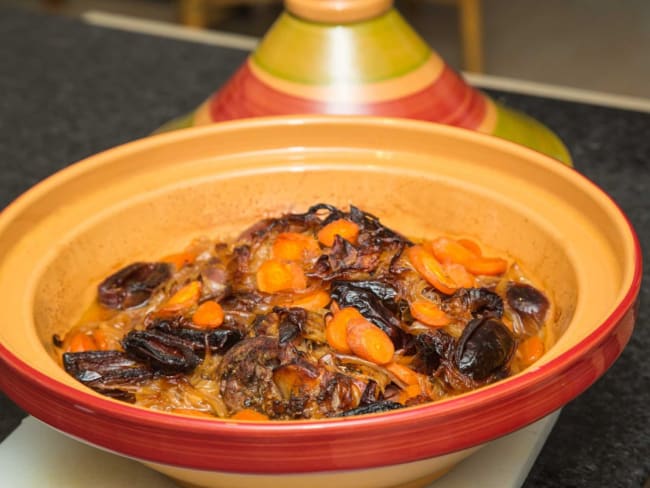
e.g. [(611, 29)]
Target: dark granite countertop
[(68, 90)]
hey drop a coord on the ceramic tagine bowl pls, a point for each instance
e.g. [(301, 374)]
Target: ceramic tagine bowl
[(360, 57), (151, 197)]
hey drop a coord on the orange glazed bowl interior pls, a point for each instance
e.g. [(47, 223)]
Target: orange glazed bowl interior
[(149, 198)]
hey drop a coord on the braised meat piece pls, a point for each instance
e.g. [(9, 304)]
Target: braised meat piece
[(261, 374)]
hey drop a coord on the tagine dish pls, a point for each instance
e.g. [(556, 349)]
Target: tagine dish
[(186, 301)]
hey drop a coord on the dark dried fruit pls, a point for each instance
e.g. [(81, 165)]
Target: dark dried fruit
[(133, 285), (383, 290), (218, 341), (484, 348), (528, 301), (165, 353), (107, 372)]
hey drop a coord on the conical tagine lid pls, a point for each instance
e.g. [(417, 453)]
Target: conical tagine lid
[(360, 57)]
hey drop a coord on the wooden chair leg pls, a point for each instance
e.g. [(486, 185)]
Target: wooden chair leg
[(204, 13), (52, 5), (193, 13), (471, 30)]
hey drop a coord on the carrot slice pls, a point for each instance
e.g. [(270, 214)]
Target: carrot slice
[(431, 270), (81, 342), (450, 251), (467, 253), (403, 373), (313, 301), (249, 414), (411, 391), (459, 275), (180, 259), (208, 315), (531, 350), (185, 297), (336, 330), (471, 246), (291, 246), (273, 276), (487, 266), (345, 228), (429, 314), (369, 342)]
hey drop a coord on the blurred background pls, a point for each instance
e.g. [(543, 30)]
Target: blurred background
[(599, 45)]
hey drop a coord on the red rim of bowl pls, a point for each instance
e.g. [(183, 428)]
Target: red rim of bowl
[(322, 437)]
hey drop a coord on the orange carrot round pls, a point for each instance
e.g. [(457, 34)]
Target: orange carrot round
[(369, 342), (471, 246), (347, 229), (249, 414), (429, 314), (208, 315), (313, 301), (336, 330), (274, 276), (487, 266), (531, 350), (448, 250), (411, 391), (81, 342), (180, 259), (403, 373), (431, 270), (459, 275), (185, 297), (291, 246)]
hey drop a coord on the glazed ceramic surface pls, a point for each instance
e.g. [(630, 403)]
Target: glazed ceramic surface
[(151, 197), (360, 57)]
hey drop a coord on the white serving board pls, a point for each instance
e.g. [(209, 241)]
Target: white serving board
[(37, 456)]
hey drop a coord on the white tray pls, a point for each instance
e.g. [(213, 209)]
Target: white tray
[(37, 456)]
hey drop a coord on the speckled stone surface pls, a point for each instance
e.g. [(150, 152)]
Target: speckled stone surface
[(68, 90)]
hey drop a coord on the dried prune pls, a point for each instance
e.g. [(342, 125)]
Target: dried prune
[(107, 372), (165, 353), (528, 301), (484, 348), (216, 340), (133, 285)]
